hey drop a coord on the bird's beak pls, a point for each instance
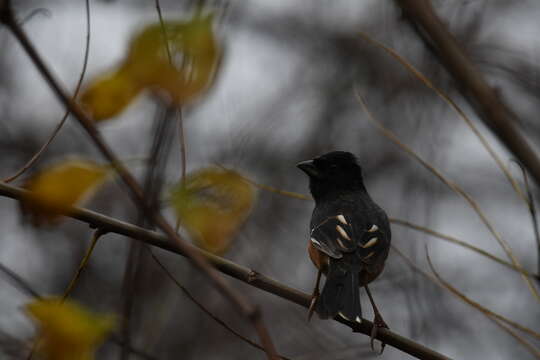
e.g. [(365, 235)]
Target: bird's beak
[(308, 167)]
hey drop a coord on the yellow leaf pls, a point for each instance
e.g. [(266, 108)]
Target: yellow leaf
[(109, 95), (212, 204), (54, 190), (68, 331), (194, 59)]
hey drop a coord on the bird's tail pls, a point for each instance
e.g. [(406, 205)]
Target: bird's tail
[(340, 294)]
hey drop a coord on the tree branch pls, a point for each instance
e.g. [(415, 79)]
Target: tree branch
[(249, 276), (490, 107)]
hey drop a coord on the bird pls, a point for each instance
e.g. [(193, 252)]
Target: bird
[(349, 239)]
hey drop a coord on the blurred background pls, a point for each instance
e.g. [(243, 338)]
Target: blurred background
[(285, 93)]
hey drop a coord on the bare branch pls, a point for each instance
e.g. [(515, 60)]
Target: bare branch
[(495, 114), (56, 130)]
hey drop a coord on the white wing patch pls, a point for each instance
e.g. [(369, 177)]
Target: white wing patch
[(343, 233), (369, 255), (373, 228), (341, 219), (314, 241), (370, 243)]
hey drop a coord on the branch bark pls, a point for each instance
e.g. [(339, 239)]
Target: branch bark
[(484, 99), (249, 276)]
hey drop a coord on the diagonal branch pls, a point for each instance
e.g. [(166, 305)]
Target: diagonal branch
[(249, 276), (490, 107), (58, 127)]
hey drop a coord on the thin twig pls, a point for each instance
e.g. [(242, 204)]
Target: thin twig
[(463, 297), (498, 319), (269, 188), (39, 11), (461, 243), (179, 118), (95, 237), (238, 300), (446, 98), (246, 275), (19, 282), (454, 187), (183, 146), (530, 347), (55, 132), (202, 307), (532, 212)]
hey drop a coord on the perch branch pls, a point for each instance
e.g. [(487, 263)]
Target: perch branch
[(249, 276)]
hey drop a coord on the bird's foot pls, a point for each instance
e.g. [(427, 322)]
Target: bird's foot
[(378, 323), (314, 299)]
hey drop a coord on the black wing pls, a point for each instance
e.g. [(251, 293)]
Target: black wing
[(340, 234)]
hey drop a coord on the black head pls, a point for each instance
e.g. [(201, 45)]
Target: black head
[(332, 174)]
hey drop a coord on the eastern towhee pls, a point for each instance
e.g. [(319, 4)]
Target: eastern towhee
[(350, 237)]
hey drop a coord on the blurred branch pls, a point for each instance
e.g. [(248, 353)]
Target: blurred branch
[(156, 166), (463, 244), (202, 307), (39, 11), (56, 130), (179, 118), (249, 276), (532, 212), (19, 282), (248, 310), (454, 187), (446, 98), (495, 114), (498, 319)]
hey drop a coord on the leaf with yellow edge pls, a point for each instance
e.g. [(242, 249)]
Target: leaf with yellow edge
[(109, 95), (187, 73), (56, 189), (67, 331), (212, 204)]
